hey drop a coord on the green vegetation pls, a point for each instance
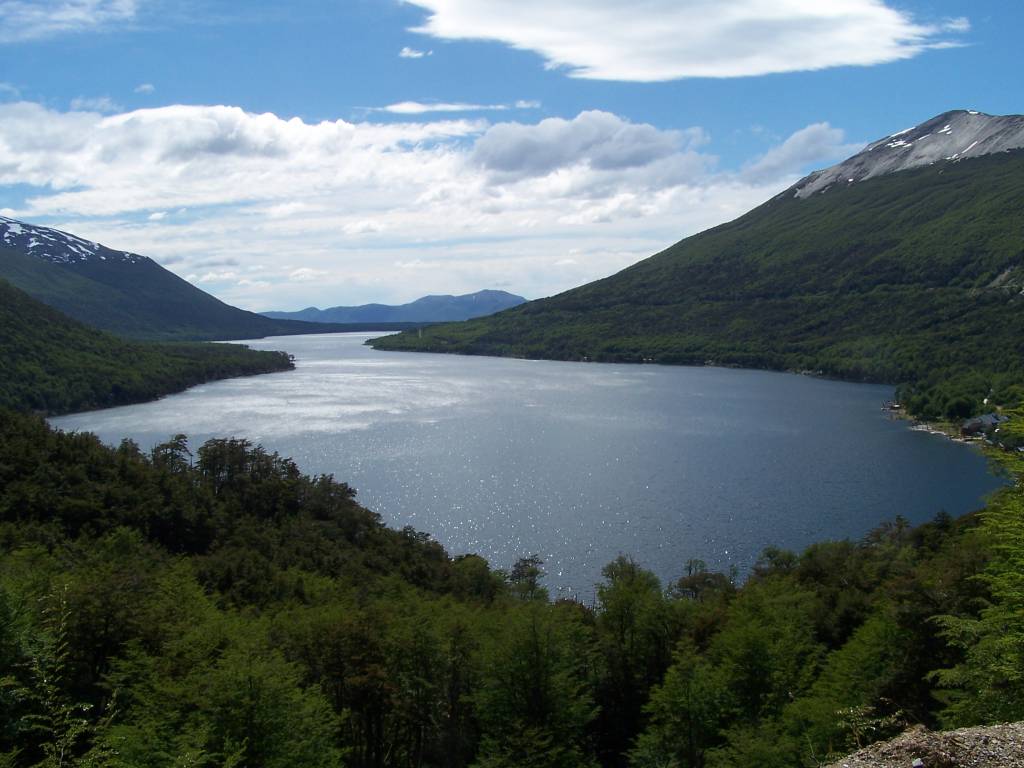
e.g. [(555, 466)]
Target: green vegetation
[(220, 608), (912, 279), (52, 364), (138, 300)]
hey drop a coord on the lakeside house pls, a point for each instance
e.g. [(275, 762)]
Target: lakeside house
[(981, 426)]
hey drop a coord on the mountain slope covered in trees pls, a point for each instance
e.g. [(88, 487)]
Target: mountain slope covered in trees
[(910, 278), (54, 364), (123, 293)]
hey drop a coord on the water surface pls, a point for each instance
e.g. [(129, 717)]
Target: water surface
[(579, 462)]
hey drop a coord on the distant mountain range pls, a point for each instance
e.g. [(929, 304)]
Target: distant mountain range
[(122, 292), (904, 263), (428, 309)]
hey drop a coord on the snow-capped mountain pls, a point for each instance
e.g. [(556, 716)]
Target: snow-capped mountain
[(122, 292), (952, 136), (58, 247)]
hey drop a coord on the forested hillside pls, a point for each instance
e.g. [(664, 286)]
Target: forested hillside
[(52, 364), (213, 606), (123, 293), (913, 278)]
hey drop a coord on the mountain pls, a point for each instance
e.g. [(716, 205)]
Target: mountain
[(54, 364), (951, 136), (122, 292), (910, 274), (429, 309)]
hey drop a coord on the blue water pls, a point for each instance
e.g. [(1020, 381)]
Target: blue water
[(579, 462)]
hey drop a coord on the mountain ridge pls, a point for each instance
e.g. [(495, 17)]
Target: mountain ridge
[(964, 134), (122, 292), (432, 308)]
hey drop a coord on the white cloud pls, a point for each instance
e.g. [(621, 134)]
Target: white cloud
[(23, 20), (216, 277), (145, 88), (415, 264), (599, 140), (183, 156), (412, 53), (658, 40), (10, 91), (279, 213), (103, 104), (819, 143), (422, 108), (366, 227), (284, 210), (305, 274), (960, 24)]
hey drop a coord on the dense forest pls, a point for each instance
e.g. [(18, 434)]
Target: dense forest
[(52, 364), (212, 606), (912, 279)]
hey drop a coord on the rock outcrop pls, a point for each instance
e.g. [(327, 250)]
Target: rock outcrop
[(994, 746)]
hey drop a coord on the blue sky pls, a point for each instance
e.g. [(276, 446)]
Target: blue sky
[(322, 153)]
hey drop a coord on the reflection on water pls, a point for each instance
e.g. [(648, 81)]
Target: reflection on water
[(579, 463)]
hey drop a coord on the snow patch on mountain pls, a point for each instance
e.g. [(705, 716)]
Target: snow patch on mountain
[(58, 247), (949, 137)]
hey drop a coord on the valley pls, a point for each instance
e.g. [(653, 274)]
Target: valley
[(492, 384)]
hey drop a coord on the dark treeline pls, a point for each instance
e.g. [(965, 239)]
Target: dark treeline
[(53, 364), (216, 607)]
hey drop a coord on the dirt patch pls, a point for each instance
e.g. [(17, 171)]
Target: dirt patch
[(983, 747)]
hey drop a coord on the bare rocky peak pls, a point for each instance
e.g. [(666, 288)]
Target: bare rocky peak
[(58, 247), (952, 136)]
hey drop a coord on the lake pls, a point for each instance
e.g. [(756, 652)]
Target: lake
[(579, 462)]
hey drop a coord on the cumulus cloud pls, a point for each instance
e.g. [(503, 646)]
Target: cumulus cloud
[(145, 88), (280, 213), (658, 40), (103, 104), (182, 155), (9, 91), (819, 143), (422, 108), (23, 20), (600, 140), (412, 53)]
